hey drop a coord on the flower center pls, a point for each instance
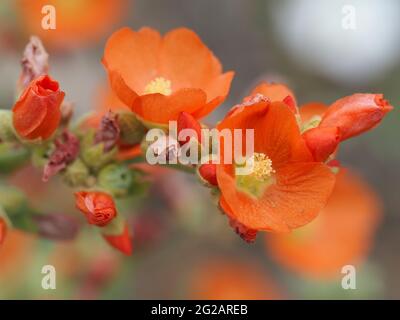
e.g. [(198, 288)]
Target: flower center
[(259, 177), (262, 166), (159, 85)]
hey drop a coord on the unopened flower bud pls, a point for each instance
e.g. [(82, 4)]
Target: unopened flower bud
[(77, 174), (98, 207), (36, 114), (7, 132), (12, 200), (132, 130), (117, 234), (95, 155), (115, 178), (12, 156), (208, 174)]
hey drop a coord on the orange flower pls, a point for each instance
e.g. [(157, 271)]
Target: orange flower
[(160, 77), (36, 114), (98, 207), (77, 21), (223, 279), (341, 234), (286, 189)]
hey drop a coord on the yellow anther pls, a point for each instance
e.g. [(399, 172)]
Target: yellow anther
[(262, 166), (159, 85)]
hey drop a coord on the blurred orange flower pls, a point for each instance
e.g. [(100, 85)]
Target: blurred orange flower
[(287, 188), (225, 279), (98, 207), (36, 114), (14, 253), (77, 21), (341, 234), (160, 77)]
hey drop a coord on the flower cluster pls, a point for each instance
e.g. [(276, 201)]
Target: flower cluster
[(175, 77)]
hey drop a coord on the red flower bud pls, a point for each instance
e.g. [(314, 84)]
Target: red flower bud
[(356, 114), (37, 113), (322, 142), (208, 172), (3, 230), (98, 207), (187, 121), (121, 242)]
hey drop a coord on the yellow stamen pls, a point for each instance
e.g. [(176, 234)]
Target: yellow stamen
[(260, 177), (159, 85), (262, 166)]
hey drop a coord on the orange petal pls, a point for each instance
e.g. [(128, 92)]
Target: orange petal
[(300, 192), (187, 121), (159, 108), (276, 132), (216, 91), (186, 61), (133, 57), (322, 142), (274, 91), (312, 109), (340, 235)]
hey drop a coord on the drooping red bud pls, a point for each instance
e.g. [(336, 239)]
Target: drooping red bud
[(187, 121), (121, 242), (208, 172), (356, 114), (322, 142)]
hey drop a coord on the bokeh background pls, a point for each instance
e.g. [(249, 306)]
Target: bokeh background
[(183, 246)]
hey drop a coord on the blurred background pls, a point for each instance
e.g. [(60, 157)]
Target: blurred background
[(183, 246)]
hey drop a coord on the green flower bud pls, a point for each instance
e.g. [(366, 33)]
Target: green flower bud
[(12, 200), (40, 155), (7, 132), (116, 178), (12, 156), (15, 204), (94, 155), (132, 130), (77, 174)]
